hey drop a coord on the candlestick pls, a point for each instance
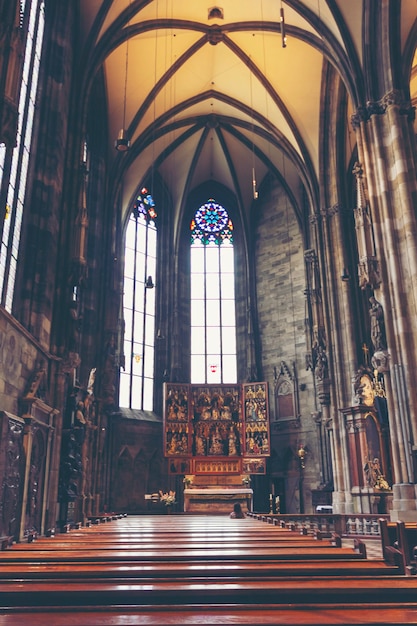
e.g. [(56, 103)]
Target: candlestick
[(277, 504)]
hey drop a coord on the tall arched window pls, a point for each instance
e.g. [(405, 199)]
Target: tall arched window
[(14, 167), (213, 320), (136, 381)]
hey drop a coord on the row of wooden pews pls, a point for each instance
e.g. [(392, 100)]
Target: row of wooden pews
[(183, 569), (399, 545)]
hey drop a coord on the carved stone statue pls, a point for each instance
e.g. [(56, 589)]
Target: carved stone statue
[(320, 362), (377, 325)]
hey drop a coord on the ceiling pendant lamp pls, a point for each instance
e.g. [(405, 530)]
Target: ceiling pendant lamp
[(283, 33), (122, 143), (254, 189)]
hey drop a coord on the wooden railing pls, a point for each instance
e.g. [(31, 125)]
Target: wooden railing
[(361, 525)]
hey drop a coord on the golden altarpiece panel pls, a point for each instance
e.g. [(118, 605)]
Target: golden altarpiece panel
[(216, 429)]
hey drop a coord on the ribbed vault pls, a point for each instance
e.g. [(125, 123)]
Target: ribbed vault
[(210, 93)]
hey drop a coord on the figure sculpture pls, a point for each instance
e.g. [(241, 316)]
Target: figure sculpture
[(376, 313)]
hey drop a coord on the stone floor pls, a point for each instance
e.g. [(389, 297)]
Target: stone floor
[(373, 547)]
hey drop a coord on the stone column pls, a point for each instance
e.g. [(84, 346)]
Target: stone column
[(351, 431), (384, 132)]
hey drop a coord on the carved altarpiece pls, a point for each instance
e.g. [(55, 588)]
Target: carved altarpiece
[(368, 446), (216, 433), (212, 429)]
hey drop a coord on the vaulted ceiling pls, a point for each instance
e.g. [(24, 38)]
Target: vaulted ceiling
[(213, 92)]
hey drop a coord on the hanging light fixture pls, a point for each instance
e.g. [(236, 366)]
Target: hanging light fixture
[(254, 184), (283, 33), (122, 143), (254, 189)]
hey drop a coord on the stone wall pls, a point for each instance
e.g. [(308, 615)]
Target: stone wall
[(138, 467), (19, 358), (280, 281)]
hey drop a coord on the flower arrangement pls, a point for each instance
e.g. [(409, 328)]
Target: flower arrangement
[(188, 481), (167, 498)]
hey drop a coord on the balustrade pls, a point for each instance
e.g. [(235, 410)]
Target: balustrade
[(361, 525)]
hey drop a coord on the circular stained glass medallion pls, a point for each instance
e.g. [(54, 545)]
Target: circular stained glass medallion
[(211, 217)]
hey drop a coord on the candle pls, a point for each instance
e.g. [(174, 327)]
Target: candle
[(270, 497)]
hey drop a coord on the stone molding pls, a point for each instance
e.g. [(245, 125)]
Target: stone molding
[(379, 107)]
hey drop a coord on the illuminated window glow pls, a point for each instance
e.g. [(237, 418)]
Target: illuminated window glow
[(213, 322), (16, 177), (136, 380)]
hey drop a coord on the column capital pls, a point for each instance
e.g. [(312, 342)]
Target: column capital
[(394, 97)]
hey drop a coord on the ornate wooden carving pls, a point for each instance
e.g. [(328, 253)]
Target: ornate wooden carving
[(13, 475), (211, 429)]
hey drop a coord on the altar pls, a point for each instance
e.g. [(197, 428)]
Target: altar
[(216, 500), (216, 436)]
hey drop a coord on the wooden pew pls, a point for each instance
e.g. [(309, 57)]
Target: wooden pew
[(245, 592), (407, 544), (262, 543), (297, 615), (189, 554), (233, 567), (5, 542), (88, 546), (169, 584), (194, 571), (196, 544), (85, 546), (131, 538), (399, 543)]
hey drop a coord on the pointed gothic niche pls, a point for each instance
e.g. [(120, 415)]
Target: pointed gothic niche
[(286, 398)]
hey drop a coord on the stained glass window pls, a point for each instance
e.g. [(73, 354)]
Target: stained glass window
[(14, 167), (211, 224), (136, 380), (213, 323)]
